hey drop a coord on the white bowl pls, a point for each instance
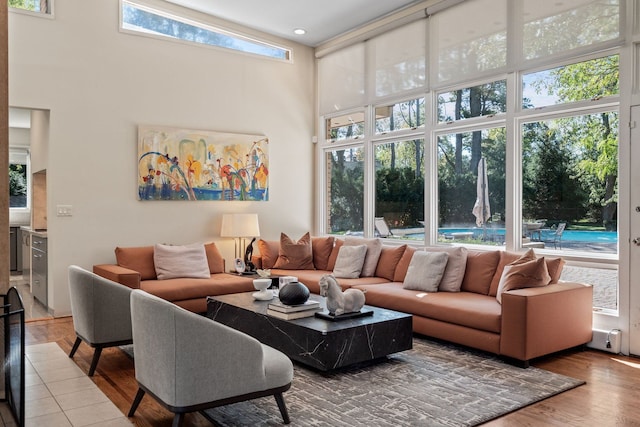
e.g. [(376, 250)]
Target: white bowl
[(262, 285)]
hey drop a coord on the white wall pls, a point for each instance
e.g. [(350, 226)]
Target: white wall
[(99, 84)]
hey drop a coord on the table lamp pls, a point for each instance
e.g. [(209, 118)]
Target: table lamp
[(240, 226)]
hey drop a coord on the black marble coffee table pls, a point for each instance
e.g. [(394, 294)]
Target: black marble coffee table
[(322, 344)]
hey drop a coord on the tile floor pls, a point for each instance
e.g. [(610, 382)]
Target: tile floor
[(58, 393)]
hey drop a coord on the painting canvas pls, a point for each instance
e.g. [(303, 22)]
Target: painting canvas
[(182, 164)]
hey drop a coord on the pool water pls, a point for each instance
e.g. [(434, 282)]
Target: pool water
[(567, 235)]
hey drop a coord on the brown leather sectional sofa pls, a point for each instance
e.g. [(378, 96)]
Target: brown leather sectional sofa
[(529, 323)]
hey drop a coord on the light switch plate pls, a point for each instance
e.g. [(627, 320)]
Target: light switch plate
[(64, 210)]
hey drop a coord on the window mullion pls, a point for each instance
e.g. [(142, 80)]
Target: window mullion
[(513, 175)]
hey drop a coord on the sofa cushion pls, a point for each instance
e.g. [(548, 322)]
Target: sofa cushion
[(268, 252), (295, 255), (481, 266), (374, 246), (403, 264), (321, 248), (456, 266), (525, 272), (389, 258), (554, 266), (139, 259), (468, 309), (350, 261), (181, 261), (425, 271), (334, 254), (214, 258), (185, 288)]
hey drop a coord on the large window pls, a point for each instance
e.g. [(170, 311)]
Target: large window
[(511, 143), (471, 187), (570, 174), (399, 185), (345, 190), (145, 20)]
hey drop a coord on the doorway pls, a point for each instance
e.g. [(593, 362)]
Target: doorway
[(23, 197)]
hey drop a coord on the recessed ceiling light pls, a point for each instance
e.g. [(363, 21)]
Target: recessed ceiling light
[(300, 31)]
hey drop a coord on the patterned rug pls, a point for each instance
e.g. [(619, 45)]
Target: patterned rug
[(434, 384)]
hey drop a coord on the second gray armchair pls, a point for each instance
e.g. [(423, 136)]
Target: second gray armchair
[(190, 363)]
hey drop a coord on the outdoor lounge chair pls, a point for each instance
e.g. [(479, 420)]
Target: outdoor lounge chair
[(554, 236), (382, 228)]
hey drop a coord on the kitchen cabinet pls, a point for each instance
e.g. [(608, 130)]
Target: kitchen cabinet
[(13, 248), (25, 237), (39, 268)]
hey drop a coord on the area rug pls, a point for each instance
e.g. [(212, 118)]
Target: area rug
[(434, 384)]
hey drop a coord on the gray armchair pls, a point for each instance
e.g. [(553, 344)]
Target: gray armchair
[(101, 312), (189, 363)]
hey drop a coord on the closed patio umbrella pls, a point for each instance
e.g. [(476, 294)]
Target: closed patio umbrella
[(481, 209)]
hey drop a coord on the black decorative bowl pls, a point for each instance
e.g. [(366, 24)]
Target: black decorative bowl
[(293, 293)]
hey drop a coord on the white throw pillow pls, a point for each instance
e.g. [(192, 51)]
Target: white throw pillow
[(456, 267), (349, 262), (425, 271), (374, 248), (181, 261)]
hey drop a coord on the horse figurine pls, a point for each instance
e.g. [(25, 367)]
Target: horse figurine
[(339, 302)]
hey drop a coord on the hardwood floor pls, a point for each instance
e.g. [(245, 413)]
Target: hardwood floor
[(611, 396)]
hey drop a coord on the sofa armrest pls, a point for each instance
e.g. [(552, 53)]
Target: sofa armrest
[(124, 276), (540, 321)]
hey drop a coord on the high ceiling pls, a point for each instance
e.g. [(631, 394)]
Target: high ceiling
[(322, 20)]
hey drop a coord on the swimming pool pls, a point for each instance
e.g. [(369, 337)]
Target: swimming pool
[(567, 235)]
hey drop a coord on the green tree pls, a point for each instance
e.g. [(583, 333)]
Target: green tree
[(550, 188)]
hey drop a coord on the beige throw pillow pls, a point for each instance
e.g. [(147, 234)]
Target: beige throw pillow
[(456, 267), (425, 271), (349, 262), (374, 248), (181, 261), (525, 272)]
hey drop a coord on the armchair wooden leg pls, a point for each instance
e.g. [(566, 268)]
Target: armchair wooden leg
[(94, 361), (282, 407), (75, 346), (136, 402), (177, 419)]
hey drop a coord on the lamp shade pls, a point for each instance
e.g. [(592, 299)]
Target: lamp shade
[(240, 225)]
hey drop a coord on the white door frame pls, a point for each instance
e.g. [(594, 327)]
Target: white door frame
[(633, 278)]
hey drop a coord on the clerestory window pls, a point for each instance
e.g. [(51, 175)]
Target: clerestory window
[(152, 22), (39, 6)]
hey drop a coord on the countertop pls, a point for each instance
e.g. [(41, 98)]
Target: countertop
[(39, 233)]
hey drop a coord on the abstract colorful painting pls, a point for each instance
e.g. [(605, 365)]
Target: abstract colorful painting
[(182, 164)]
